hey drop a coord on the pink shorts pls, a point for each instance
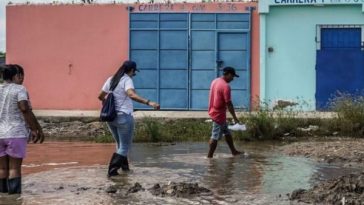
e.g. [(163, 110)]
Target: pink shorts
[(14, 147)]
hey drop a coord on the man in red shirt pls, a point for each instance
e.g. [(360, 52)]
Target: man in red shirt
[(219, 101)]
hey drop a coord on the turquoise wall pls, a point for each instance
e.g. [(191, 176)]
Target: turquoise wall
[(288, 73)]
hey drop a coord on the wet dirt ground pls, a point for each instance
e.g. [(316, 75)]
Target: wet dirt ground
[(52, 155), (338, 151), (335, 150), (75, 173)]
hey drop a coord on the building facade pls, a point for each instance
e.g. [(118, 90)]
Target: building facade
[(310, 50), (69, 50)]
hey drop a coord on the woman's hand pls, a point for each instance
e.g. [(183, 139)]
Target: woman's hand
[(33, 135), (102, 96), (40, 136), (36, 135), (155, 105)]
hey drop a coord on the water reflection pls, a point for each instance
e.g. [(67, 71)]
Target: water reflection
[(283, 174), (231, 174), (5, 199)]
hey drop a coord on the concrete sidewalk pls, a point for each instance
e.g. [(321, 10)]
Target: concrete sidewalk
[(163, 114), (137, 114)]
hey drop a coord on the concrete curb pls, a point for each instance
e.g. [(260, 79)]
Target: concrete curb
[(165, 114)]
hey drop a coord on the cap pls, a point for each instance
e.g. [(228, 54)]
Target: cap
[(230, 70), (130, 65)]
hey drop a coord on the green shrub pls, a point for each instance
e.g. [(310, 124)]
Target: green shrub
[(261, 124), (273, 123), (149, 129), (350, 112)]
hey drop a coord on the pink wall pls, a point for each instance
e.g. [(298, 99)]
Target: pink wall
[(255, 76), (69, 50)]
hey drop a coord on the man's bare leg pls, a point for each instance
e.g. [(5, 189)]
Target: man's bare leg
[(229, 141), (213, 145)]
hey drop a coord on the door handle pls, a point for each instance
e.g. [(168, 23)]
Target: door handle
[(219, 63)]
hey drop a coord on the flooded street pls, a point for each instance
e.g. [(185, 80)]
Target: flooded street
[(75, 173)]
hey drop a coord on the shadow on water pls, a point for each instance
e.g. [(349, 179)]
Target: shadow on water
[(74, 173)]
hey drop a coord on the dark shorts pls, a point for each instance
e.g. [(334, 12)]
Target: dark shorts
[(14, 147), (218, 130)]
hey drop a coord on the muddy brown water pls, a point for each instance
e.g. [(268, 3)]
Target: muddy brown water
[(75, 173)]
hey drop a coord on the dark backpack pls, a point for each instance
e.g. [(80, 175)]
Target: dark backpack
[(108, 110)]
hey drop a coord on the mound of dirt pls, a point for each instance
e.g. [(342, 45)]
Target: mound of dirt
[(172, 189), (137, 187), (179, 189), (338, 151), (347, 190)]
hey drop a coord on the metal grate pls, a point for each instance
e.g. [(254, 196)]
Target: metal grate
[(344, 36)]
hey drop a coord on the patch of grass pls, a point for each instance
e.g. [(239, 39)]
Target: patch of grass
[(188, 130), (268, 123), (264, 124), (171, 130), (261, 124), (350, 110), (104, 139), (275, 122), (149, 129)]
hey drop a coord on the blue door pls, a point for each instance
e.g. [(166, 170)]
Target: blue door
[(233, 51), (179, 54), (219, 40), (340, 64), (203, 58), (159, 46)]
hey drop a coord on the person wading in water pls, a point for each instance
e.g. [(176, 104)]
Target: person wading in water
[(122, 127), (17, 124), (219, 101)]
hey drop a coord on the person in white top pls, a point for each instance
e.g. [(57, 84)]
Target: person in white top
[(122, 127), (17, 123)]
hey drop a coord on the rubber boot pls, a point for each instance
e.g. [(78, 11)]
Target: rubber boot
[(14, 185), (114, 165), (124, 164), (3, 185)]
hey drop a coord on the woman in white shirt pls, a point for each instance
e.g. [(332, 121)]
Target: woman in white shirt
[(123, 126), (17, 123)]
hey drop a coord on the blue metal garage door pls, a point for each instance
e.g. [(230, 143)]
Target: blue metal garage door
[(179, 54), (340, 64)]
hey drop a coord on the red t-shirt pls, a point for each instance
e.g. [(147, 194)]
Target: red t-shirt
[(220, 95)]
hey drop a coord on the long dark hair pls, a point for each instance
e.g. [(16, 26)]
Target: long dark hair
[(124, 68), (11, 70)]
